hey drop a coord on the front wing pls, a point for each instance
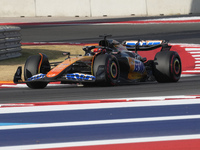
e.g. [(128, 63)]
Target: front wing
[(71, 77)]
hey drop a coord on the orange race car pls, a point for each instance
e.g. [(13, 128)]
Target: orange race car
[(109, 63)]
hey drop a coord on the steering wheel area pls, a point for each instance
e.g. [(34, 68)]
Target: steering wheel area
[(104, 47)]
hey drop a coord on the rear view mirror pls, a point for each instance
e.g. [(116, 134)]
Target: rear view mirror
[(66, 54)]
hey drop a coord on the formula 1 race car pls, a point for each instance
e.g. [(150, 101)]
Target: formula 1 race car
[(109, 63)]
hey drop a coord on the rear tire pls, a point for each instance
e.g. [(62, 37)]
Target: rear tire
[(167, 66), (34, 65), (106, 69)]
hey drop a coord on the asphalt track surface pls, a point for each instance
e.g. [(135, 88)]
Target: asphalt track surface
[(186, 86), (89, 33), (176, 33)]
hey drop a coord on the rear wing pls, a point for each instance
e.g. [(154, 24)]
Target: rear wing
[(146, 45)]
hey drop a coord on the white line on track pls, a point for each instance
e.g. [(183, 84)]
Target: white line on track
[(189, 100), (195, 55), (175, 19), (98, 122), (195, 52), (192, 49), (186, 45), (103, 142), (164, 97), (192, 71), (188, 75), (25, 86), (15, 85)]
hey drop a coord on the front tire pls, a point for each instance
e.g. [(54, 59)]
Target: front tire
[(106, 69), (34, 65), (167, 66)]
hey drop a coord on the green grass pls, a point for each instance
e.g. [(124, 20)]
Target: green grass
[(54, 53)]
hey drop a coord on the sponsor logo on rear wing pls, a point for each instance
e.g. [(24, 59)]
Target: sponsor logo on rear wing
[(143, 42), (146, 45)]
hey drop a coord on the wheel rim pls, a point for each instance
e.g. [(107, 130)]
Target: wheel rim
[(113, 70), (177, 66)]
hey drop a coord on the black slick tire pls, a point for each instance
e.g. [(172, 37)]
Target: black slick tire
[(33, 66), (167, 66), (106, 70)]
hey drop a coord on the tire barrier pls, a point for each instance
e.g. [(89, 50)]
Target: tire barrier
[(10, 45)]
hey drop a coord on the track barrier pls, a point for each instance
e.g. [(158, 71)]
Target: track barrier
[(10, 45), (97, 8)]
